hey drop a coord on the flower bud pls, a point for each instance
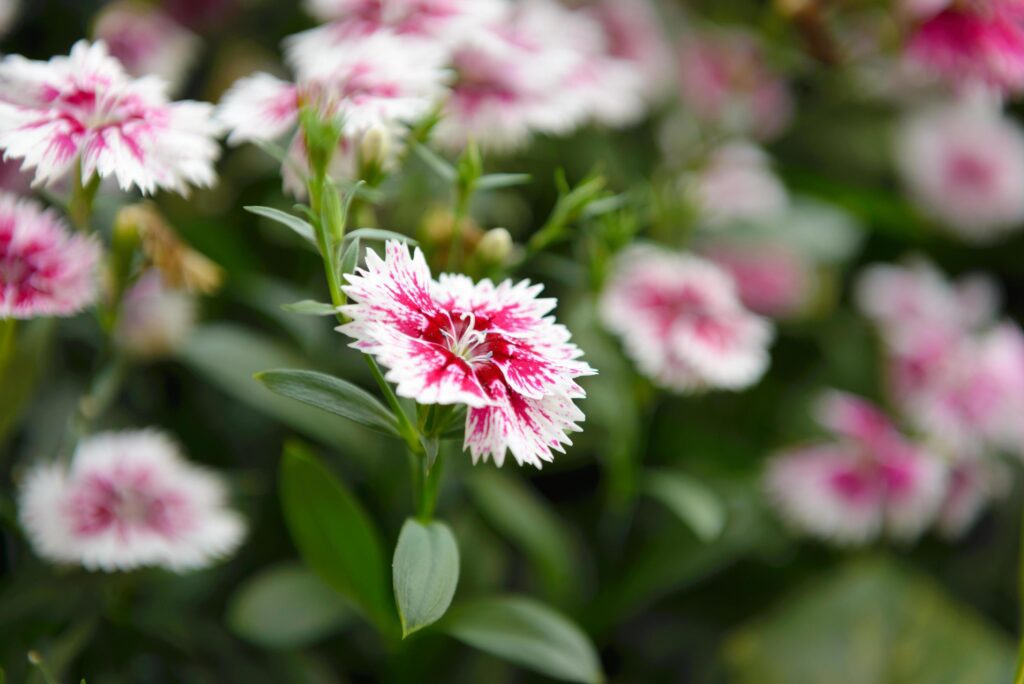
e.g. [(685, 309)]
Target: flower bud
[(495, 246), (375, 146), (155, 320)]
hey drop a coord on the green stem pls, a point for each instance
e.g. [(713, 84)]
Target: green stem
[(1019, 677), (7, 328), (82, 196), (405, 426), (431, 485), (36, 659), (463, 195)]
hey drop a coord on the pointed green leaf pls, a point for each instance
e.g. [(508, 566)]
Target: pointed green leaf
[(425, 573), (333, 395), (378, 234), (350, 257), (693, 502), (439, 166), (286, 606), (528, 633), (308, 307), (302, 228), (521, 516), (334, 535), (493, 181)]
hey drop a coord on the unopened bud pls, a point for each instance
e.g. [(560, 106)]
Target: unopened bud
[(495, 246), (375, 146)]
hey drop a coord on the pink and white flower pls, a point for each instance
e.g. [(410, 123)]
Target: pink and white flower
[(492, 348), (84, 108), (681, 320), (383, 82), (45, 270), (736, 184), (973, 484), (635, 34), (964, 165), (147, 41), (772, 279), (981, 41), (513, 78), (726, 83), (447, 22), (128, 500), (870, 481), (155, 319)]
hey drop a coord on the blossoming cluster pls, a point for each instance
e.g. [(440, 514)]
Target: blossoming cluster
[(492, 348), (681, 320), (497, 71)]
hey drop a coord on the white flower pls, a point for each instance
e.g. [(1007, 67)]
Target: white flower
[(736, 184), (155, 320), (128, 500)]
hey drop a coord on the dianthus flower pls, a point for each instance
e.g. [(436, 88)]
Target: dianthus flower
[(128, 500), (682, 322), (868, 482), (45, 270), (492, 348), (84, 109)]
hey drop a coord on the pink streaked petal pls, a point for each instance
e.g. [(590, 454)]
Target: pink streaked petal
[(855, 418), (827, 491), (728, 349), (259, 107), (396, 290), (421, 370), (915, 483), (529, 428)]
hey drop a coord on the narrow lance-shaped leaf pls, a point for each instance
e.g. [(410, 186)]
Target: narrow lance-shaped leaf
[(302, 228), (286, 606), (334, 534), (493, 181), (379, 234), (308, 307), (331, 394), (690, 500), (425, 573), (441, 167), (528, 633)]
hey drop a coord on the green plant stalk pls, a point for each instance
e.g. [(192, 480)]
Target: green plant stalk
[(430, 486), (82, 197), (7, 329), (1019, 677), (463, 194)]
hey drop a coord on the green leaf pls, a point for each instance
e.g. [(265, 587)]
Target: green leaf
[(438, 165), (494, 181), (307, 307), (872, 621), (301, 227), (689, 499), (350, 257), (333, 395), (425, 573), (286, 606), (520, 515), (334, 535), (379, 234), (33, 343), (228, 356), (528, 633)]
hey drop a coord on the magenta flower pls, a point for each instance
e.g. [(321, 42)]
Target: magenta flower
[(869, 481), (490, 347), (681, 320), (772, 279), (128, 500), (967, 42), (44, 269), (84, 108)]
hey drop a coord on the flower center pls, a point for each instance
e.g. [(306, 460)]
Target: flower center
[(465, 341)]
